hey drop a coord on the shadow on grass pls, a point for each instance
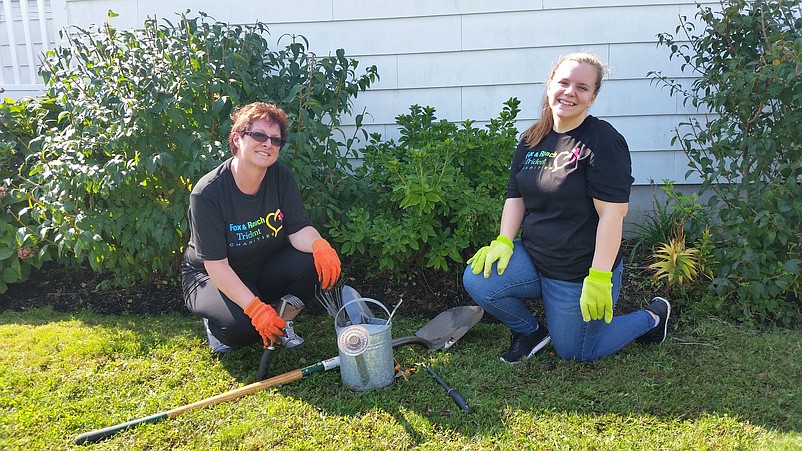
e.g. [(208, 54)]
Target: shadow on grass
[(144, 331)]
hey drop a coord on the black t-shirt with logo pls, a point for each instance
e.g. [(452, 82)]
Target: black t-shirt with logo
[(558, 180), (224, 222)]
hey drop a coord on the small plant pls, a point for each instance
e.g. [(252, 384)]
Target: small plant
[(707, 262), (675, 263), (654, 228), (659, 225)]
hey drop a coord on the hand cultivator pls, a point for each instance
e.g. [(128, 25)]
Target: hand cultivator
[(455, 395), (264, 364), (331, 300), (438, 334), (405, 372)]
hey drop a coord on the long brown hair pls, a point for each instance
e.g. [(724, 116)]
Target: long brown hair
[(545, 123)]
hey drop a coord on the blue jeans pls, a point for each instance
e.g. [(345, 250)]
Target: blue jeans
[(571, 337)]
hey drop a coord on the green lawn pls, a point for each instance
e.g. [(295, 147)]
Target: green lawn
[(713, 387)]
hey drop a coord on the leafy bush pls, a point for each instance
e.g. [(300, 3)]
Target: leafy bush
[(749, 151), (316, 93), (21, 247), (145, 113), (432, 196)]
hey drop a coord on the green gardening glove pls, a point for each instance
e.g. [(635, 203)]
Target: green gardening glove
[(596, 301), (499, 250)]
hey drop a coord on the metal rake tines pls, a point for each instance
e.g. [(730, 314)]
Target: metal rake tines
[(332, 300), (292, 300)]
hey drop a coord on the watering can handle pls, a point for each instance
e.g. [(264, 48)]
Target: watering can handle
[(357, 302)]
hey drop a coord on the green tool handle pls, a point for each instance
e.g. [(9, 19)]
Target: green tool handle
[(290, 376), (100, 434)]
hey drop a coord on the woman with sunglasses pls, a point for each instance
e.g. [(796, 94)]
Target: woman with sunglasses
[(251, 239)]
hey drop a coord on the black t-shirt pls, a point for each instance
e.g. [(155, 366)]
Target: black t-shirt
[(558, 180), (224, 222)]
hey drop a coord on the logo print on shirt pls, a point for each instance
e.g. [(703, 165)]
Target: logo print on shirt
[(572, 157), (536, 159), (253, 231), (277, 217)]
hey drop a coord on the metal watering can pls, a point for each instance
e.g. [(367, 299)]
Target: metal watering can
[(365, 347)]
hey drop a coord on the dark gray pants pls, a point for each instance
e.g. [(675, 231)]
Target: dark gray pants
[(288, 271)]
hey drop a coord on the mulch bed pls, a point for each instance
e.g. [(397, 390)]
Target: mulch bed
[(425, 294)]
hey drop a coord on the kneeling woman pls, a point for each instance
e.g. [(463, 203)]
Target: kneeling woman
[(251, 239), (568, 193)]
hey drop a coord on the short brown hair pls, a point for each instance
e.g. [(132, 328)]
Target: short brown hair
[(245, 115)]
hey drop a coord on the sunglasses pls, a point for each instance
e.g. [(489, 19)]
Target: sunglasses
[(261, 137)]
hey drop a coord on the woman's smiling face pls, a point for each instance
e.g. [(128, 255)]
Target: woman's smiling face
[(571, 91), (255, 153)]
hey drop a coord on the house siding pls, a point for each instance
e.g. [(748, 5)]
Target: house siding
[(22, 41), (465, 58)]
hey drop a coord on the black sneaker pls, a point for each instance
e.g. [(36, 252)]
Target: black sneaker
[(662, 309), (525, 346)]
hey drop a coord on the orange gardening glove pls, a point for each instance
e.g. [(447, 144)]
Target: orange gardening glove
[(327, 263), (266, 321)]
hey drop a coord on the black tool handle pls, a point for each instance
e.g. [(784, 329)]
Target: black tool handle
[(414, 340), (264, 364), (455, 395)]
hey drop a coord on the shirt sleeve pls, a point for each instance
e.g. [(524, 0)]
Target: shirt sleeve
[(512, 185), (609, 176), (207, 225)]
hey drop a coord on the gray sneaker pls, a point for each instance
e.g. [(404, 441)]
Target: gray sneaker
[(292, 340), (214, 343)]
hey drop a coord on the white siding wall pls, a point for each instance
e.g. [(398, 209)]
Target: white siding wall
[(27, 29), (465, 58)]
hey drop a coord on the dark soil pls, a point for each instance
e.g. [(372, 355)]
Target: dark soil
[(425, 294)]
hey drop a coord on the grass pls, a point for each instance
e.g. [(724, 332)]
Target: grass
[(714, 387)]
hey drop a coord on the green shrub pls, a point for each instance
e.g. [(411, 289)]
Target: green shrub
[(749, 151), (433, 196), (22, 248), (145, 113)]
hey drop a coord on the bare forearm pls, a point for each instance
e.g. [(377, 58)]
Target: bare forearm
[(227, 281), (608, 234), (512, 217), (608, 242), (303, 239)]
